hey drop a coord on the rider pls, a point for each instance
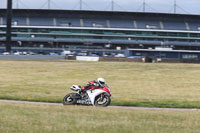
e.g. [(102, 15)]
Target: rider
[(100, 83)]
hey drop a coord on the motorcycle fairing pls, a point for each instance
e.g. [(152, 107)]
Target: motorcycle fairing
[(94, 93)]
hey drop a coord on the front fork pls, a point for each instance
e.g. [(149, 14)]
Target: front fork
[(101, 97)]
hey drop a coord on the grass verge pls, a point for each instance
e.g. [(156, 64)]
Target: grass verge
[(160, 104), (149, 85), (23, 118)]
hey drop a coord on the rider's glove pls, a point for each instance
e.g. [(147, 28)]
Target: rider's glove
[(95, 84)]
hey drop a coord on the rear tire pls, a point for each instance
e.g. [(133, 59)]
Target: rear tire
[(68, 100), (102, 101)]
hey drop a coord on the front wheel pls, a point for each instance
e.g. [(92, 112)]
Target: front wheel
[(68, 100), (102, 100)]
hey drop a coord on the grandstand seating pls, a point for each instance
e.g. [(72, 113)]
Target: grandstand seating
[(19, 21), (194, 26), (174, 25), (147, 24), (102, 23), (43, 21), (68, 22), (98, 23), (121, 23), (99, 28)]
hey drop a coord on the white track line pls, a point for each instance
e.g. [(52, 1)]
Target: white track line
[(120, 107)]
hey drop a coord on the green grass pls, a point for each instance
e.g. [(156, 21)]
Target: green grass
[(24, 118), (133, 84)]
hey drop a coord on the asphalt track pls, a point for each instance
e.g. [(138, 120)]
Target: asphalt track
[(121, 107)]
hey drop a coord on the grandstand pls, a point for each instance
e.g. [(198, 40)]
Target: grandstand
[(103, 32)]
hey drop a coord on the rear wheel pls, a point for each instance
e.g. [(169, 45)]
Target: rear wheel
[(102, 100), (68, 100)]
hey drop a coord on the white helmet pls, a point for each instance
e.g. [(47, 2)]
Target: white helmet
[(101, 81)]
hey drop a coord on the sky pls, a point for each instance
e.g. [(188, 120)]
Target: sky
[(163, 6)]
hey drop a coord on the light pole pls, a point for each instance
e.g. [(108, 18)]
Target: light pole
[(49, 4), (81, 4), (175, 6), (8, 28), (144, 6)]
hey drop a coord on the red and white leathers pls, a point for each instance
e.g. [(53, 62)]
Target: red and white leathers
[(92, 85)]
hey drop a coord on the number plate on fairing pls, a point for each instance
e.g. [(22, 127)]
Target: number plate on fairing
[(84, 102)]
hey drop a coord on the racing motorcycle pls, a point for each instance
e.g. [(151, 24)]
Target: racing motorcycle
[(94, 96)]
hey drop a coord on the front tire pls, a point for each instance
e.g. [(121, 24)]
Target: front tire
[(102, 100), (68, 100)]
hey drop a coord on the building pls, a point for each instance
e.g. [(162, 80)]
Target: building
[(101, 32)]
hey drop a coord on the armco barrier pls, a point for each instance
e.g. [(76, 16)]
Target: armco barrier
[(108, 59), (161, 60)]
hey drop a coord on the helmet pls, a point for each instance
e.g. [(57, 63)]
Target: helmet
[(101, 81)]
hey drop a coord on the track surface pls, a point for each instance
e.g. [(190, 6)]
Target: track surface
[(122, 107)]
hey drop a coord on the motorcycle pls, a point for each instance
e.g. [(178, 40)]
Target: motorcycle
[(93, 96)]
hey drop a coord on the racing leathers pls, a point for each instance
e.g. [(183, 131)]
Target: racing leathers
[(92, 84)]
